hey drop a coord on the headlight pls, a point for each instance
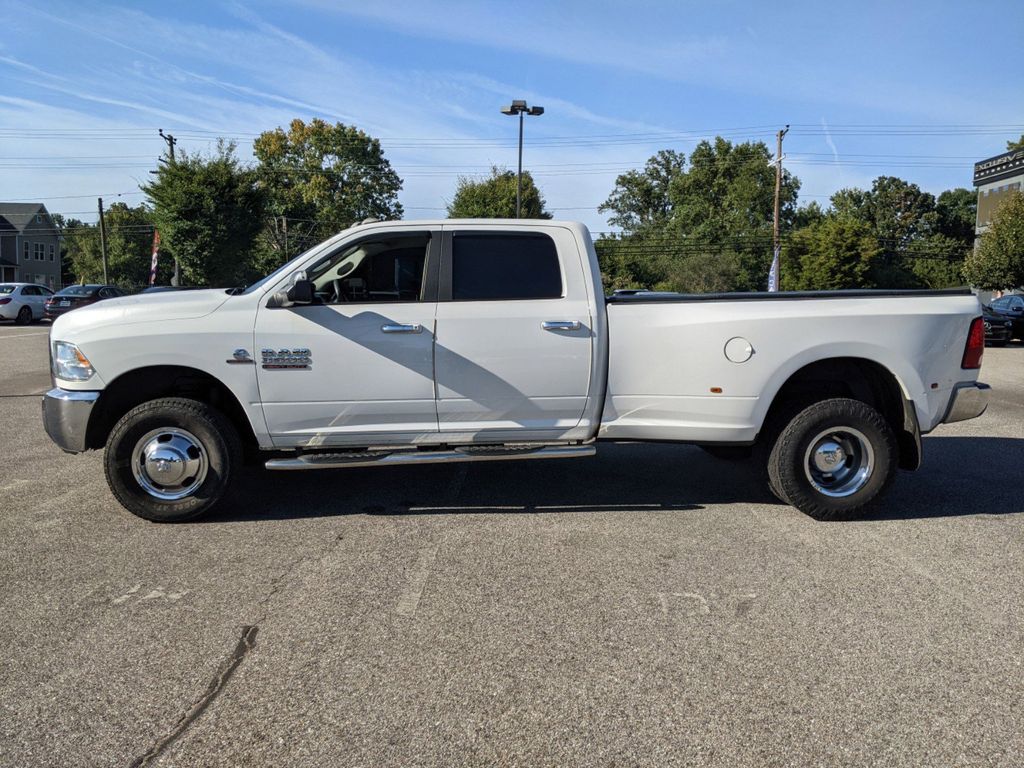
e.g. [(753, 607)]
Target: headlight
[(69, 363)]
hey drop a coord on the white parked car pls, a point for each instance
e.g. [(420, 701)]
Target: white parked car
[(23, 302), (469, 340)]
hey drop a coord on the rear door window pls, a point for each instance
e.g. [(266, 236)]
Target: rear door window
[(492, 267)]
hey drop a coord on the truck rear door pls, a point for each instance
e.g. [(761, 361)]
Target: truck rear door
[(513, 346)]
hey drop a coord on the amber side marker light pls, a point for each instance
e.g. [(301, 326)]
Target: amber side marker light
[(975, 347), (716, 390)]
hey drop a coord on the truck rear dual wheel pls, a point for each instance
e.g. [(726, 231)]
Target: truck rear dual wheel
[(833, 459), (172, 459)]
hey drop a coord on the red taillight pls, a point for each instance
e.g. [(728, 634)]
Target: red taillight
[(5, 300), (975, 345)]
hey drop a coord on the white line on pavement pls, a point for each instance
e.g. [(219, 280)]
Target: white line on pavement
[(23, 335), (410, 597)]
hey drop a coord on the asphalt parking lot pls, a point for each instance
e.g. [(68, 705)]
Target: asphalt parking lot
[(649, 606)]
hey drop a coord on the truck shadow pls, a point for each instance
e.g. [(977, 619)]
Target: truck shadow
[(960, 476)]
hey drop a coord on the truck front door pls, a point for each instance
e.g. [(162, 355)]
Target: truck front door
[(514, 340), (357, 366)]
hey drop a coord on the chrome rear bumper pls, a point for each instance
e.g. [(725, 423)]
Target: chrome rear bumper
[(968, 401), (66, 417)]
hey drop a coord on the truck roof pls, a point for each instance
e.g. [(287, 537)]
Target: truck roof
[(460, 222)]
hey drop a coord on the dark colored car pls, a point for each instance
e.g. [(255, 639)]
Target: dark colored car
[(76, 296), (1011, 307), (998, 328)]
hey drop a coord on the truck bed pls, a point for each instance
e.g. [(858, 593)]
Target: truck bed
[(670, 376)]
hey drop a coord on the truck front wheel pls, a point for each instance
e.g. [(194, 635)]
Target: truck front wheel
[(171, 459), (833, 459)]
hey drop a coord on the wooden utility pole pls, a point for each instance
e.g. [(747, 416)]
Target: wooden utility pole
[(775, 277), (103, 240), (171, 141)]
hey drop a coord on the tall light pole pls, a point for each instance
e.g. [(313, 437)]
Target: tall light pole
[(519, 107)]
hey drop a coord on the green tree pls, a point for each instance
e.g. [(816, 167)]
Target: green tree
[(899, 214), (129, 246), (495, 197), (897, 210), (936, 261), (1012, 146), (209, 212), (956, 214), (719, 210), (69, 229), (832, 254), (318, 179), (641, 203), (812, 213), (630, 262), (998, 261), (665, 265)]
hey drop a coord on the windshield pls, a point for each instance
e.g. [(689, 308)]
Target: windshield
[(281, 271), (78, 290), (6, 289)]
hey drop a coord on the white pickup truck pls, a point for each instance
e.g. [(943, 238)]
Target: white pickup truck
[(468, 340)]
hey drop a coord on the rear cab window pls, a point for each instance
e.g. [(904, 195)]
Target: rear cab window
[(503, 266)]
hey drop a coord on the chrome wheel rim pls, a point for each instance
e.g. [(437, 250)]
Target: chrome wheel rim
[(169, 463), (839, 461)]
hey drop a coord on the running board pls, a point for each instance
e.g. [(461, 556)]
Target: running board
[(385, 458)]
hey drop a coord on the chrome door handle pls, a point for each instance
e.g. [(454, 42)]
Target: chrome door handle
[(401, 328), (560, 325)]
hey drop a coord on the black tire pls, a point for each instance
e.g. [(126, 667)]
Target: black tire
[(769, 435), (216, 442), (24, 316), (729, 452), (867, 459)]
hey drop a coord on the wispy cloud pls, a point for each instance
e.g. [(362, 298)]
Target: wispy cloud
[(209, 78), (429, 81), (828, 140), (560, 31)]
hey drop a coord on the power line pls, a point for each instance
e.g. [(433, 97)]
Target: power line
[(649, 137)]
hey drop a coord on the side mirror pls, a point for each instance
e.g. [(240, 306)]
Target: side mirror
[(301, 292)]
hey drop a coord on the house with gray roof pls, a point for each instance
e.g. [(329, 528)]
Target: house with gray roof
[(29, 245)]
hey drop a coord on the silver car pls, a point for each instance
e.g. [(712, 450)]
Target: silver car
[(23, 302)]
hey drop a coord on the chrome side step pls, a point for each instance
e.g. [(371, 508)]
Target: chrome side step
[(405, 457)]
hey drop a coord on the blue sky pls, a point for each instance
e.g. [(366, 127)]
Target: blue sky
[(870, 88)]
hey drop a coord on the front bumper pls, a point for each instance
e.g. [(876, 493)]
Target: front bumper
[(968, 401), (66, 417)]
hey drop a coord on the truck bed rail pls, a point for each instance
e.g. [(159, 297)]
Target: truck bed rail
[(653, 297)]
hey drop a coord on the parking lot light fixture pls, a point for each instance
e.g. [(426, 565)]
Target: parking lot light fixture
[(520, 108)]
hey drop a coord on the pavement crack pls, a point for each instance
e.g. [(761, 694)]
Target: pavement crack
[(278, 584), (227, 668)]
